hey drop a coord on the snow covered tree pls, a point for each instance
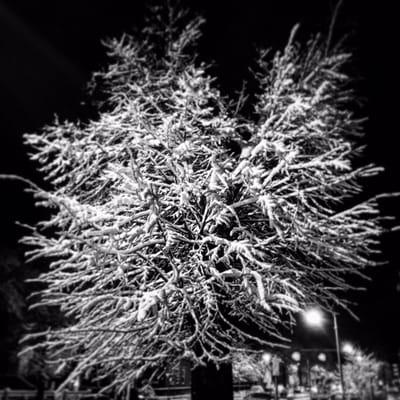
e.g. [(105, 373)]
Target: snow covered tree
[(178, 228), (252, 367), (360, 373)]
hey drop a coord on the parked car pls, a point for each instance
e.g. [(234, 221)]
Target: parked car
[(258, 396), (257, 392)]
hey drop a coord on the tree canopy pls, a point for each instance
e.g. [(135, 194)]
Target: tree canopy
[(181, 229)]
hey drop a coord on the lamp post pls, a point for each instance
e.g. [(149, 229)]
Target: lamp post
[(314, 317), (266, 357), (339, 361), (273, 361)]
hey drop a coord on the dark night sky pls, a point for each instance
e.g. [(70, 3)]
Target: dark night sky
[(49, 49)]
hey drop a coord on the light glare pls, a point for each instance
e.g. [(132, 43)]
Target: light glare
[(348, 348), (313, 317), (266, 357), (296, 356)]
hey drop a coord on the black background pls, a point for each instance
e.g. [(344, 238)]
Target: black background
[(50, 48)]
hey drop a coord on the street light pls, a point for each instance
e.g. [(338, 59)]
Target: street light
[(296, 356), (348, 348), (314, 317), (266, 357)]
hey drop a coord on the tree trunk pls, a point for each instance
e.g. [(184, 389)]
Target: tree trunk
[(210, 382)]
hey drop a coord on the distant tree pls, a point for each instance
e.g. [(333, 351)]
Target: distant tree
[(12, 307), (17, 319), (360, 373), (251, 367), (181, 230)]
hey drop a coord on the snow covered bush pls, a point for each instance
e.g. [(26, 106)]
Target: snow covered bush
[(252, 367), (181, 230), (360, 373)]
